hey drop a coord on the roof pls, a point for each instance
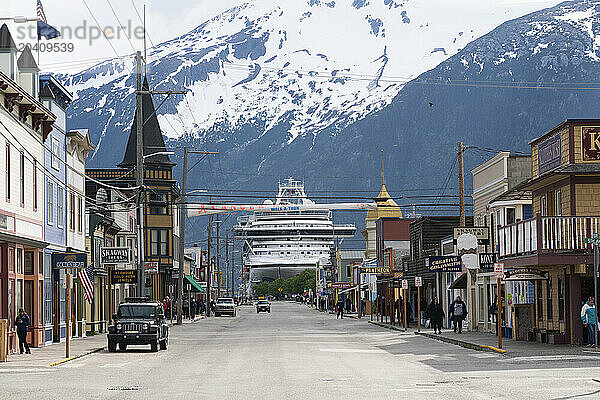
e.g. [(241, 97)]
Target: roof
[(566, 121), (151, 133), (26, 60), (6, 40), (515, 193), (352, 254), (83, 137), (582, 169)]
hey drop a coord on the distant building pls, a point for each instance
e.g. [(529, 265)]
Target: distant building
[(386, 207)]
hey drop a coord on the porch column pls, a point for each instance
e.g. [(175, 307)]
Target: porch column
[(575, 308)]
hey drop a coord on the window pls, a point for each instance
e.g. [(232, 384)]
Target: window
[(35, 183), (47, 290), (7, 160), (55, 154), (543, 205), (11, 304), (60, 201), (159, 242), (28, 300), (22, 177), (510, 216), (11, 260), (79, 215), (50, 212), (72, 212), (538, 292), (19, 261), (561, 298), (482, 303), (348, 270), (549, 298), (557, 203), (28, 263), (41, 305), (158, 204)]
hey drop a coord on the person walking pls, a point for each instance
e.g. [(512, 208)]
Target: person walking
[(340, 308), (435, 313), (458, 313), (22, 323), (588, 317)]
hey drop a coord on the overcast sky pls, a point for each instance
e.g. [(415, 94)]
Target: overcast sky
[(165, 19)]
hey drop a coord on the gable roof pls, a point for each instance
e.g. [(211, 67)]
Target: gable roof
[(26, 60), (6, 40), (151, 133)]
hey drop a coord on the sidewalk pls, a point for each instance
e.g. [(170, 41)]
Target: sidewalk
[(54, 354)]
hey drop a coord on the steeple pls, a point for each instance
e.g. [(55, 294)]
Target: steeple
[(151, 133)]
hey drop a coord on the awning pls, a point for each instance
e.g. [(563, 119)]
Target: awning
[(459, 283), (195, 285)]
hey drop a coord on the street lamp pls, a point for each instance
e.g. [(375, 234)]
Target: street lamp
[(19, 19)]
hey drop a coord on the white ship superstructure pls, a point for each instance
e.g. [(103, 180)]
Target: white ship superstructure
[(288, 238)]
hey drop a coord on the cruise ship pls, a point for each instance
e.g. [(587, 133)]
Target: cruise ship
[(292, 235)]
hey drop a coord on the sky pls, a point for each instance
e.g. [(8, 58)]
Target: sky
[(82, 44)]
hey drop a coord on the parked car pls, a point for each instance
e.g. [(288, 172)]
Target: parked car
[(138, 321), (225, 305), (263, 305)]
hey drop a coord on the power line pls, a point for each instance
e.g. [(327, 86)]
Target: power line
[(121, 25)]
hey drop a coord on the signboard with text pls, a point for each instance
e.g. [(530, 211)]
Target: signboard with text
[(525, 274), (375, 270), (341, 285), (590, 139), (151, 267), (443, 264), (69, 260), (418, 281), (549, 154), (480, 232), (123, 276), (405, 284), (114, 255), (487, 261), (499, 270)]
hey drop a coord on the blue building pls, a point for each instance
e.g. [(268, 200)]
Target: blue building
[(56, 98)]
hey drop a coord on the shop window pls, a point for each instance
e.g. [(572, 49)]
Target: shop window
[(62, 291), (549, 298), (19, 294), (19, 261), (28, 300), (47, 289), (41, 305), (539, 305), (561, 298), (481, 300), (28, 263), (11, 304), (11, 260)]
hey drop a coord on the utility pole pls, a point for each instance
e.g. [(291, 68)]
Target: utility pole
[(227, 262), (232, 265), (461, 184), (218, 265), (207, 273), (182, 210), (139, 176)]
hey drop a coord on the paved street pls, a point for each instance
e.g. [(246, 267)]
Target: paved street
[(298, 353)]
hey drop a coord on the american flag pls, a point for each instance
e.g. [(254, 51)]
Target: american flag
[(40, 11), (86, 277)]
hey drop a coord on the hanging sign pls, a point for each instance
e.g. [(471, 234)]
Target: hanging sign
[(114, 255), (487, 261), (525, 274), (123, 276), (69, 260), (375, 270), (480, 232), (341, 285)]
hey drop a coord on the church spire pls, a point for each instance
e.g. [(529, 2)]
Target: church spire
[(382, 169)]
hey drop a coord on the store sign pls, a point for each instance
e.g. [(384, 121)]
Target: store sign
[(151, 267), (114, 255), (375, 270), (124, 276), (487, 261), (480, 232), (590, 138), (69, 260), (443, 264), (549, 154), (525, 274), (341, 285)]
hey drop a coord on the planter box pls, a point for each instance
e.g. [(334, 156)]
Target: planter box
[(541, 337), (556, 338)]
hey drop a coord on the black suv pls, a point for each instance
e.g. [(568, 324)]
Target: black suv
[(139, 320)]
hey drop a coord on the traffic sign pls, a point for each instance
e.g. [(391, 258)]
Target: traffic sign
[(418, 281), (404, 284), (280, 290), (151, 267), (499, 270), (594, 240)]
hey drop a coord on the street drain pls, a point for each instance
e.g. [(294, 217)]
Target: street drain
[(123, 388)]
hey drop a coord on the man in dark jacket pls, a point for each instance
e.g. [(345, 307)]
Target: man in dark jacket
[(458, 313), (436, 314), (340, 308), (22, 323)]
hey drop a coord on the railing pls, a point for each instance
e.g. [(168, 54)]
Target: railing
[(546, 234)]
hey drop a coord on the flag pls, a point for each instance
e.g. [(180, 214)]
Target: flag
[(86, 277), (40, 11), (47, 31)]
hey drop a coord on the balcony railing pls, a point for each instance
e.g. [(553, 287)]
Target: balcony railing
[(547, 234)]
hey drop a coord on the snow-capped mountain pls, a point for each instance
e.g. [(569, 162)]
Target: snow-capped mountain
[(306, 65)]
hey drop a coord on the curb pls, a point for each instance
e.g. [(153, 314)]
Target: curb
[(467, 345), (54, 364), (386, 326)]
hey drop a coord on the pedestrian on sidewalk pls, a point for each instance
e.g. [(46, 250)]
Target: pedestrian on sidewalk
[(588, 317), (458, 313), (435, 313), (22, 323), (340, 308)]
